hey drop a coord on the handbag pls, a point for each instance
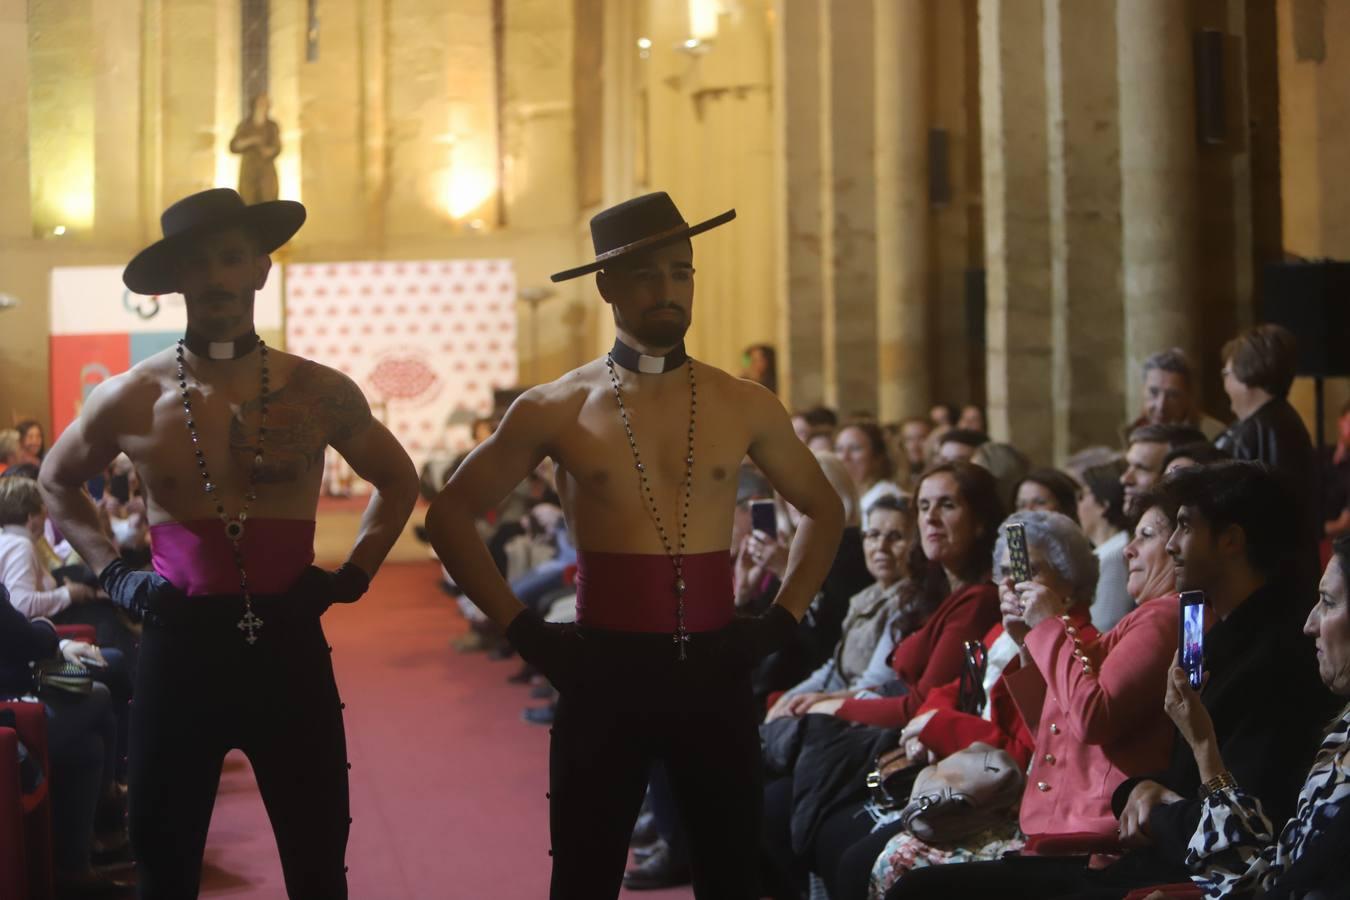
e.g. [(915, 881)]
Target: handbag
[(66, 676), (969, 791), (892, 778)]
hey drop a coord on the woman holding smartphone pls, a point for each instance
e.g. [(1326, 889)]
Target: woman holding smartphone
[(1236, 849)]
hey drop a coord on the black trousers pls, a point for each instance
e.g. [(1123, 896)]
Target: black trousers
[(202, 691), (1040, 877), (626, 702)]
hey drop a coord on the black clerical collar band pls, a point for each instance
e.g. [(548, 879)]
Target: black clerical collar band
[(634, 361), (240, 346)]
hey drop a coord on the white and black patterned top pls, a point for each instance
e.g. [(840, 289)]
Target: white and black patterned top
[(1234, 852)]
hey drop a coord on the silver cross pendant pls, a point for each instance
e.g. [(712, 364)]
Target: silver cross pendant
[(250, 625), (681, 638)]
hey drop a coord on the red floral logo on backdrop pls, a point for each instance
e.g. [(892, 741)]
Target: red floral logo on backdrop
[(406, 377)]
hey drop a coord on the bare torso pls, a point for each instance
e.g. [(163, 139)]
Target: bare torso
[(598, 482), (308, 407)]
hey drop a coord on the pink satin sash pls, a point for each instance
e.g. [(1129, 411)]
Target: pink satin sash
[(197, 558), (635, 591)]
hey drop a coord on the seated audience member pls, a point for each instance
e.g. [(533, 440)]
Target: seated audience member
[(1192, 455), (1008, 466), (32, 589), (32, 442), (944, 415), (1234, 541), (960, 443), (1093, 701), (759, 569), (1170, 395), (1258, 370), (914, 433), (1235, 849), (81, 743), (1148, 447), (813, 421), (861, 446), (893, 606), (1336, 479), (958, 517), (9, 448), (1088, 457), (959, 513), (972, 418), (1101, 513), (761, 366), (1047, 490)]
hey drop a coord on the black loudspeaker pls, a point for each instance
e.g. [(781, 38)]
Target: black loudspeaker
[(1312, 299), (1211, 120)]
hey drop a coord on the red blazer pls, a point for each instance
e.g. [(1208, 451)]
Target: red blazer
[(931, 656), (1096, 722), (950, 730)]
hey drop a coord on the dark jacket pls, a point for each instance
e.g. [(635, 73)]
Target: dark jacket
[(21, 642), (1269, 708), (1276, 435)]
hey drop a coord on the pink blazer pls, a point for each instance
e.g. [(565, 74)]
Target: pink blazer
[(1096, 721)]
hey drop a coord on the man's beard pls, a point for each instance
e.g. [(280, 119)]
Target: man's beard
[(221, 325), (658, 332)]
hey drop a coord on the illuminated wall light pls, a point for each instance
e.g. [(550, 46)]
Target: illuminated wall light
[(59, 230), (703, 20), (644, 43), (465, 190)]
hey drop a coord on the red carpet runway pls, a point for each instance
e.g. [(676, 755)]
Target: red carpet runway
[(447, 781)]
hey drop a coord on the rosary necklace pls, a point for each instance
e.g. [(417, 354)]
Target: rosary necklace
[(250, 624), (681, 636)]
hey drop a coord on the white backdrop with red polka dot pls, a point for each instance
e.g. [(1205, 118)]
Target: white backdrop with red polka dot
[(423, 340)]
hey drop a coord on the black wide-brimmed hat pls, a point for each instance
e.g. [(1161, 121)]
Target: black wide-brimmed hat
[(643, 223), (154, 270)]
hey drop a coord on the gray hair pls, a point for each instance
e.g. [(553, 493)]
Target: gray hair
[(1063, 544), (1171, 360)]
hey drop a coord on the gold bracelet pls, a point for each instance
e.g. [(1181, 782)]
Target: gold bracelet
[(1217, 783)]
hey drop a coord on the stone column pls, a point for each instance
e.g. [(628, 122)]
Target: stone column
[(61, 116), (15, 217), (798, 162), (850, 270), (1017, 225), (1158, 173), (903, 268), (1085, 222), (117, 115), (187, 109)]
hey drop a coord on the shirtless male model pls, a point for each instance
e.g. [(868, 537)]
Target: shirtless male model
[(647, 445), (228, 437)]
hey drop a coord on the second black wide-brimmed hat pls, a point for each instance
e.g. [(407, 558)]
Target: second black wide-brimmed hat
[(643, 223), (154, 269)]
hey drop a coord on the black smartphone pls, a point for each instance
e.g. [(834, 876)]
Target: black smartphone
[(120, 487), (1016, 534), (764, 517), (1193, 635)]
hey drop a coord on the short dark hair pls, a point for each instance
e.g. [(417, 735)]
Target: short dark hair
[(1264, 356), (1155, 497), (819, 416), (979, 490), (1249, 495), (1202, 452), (1057, 483), (1340, 548), (1172, 360), (877, 438), (967, 436), (1172, 435), (1103, 482)]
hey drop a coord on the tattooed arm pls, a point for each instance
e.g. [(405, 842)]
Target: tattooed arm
[(341, 414)]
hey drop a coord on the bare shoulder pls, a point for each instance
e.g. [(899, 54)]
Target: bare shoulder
[(547, 406), (750, 397), (134, 390), (333, 396)]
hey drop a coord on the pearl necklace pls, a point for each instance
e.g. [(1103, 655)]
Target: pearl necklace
[(250, 624), (681, 636)]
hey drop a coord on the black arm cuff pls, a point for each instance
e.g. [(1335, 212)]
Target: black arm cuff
[(350, 583)]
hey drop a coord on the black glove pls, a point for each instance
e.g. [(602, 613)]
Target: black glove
[(324, 588), (135, 590), (548, 646), (767, 633)]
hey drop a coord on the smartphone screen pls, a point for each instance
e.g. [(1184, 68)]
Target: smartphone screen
[(763, 517), (1193, 635), (1017, 552)]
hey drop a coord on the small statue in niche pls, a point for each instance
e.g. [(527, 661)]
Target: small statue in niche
[(258, 141)]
